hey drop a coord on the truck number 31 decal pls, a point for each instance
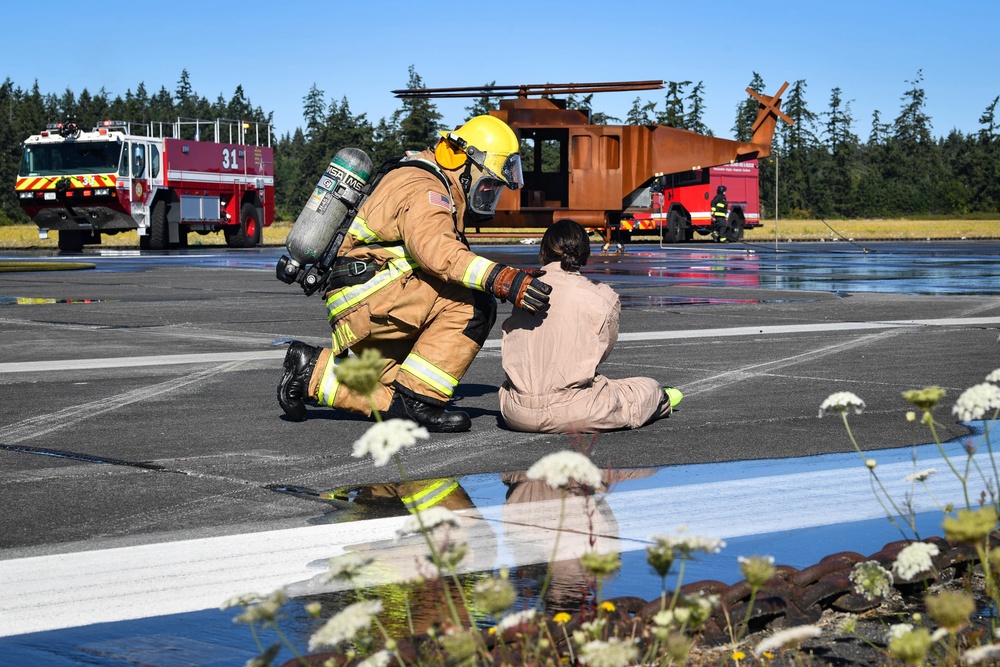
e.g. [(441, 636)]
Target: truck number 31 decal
[(229, 159)]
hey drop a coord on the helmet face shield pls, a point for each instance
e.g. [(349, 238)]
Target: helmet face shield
[(505, 168), (485, 194)]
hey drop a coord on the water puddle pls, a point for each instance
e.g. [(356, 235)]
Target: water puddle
[(39, 301)]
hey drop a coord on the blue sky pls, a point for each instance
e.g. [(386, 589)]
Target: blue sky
[(362, 50)]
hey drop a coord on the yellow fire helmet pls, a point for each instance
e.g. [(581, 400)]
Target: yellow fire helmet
[(490, 144)]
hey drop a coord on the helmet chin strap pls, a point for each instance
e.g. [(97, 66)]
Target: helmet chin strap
[(466, 179)]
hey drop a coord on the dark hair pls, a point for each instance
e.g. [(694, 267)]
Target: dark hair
[(567, 242)]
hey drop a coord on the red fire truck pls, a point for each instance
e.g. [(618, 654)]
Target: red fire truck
[(677, 206), (122, 176)]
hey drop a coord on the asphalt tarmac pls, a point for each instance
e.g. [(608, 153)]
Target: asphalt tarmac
[(148, 473), (139, 396)]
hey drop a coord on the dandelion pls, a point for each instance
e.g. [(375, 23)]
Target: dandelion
[(994, 376), (347, 566), (494, 595), (756, 569), (989, 652), (975, 402), (515, 619), (600, 565), (911, 647), (921, 475), (608, 606), (970, 526), (926, 398), (790, 637), (561, 468), (611, 653), (950, 609), (871, 580), (840, 403), (386, 438), (427, 520), (345, 625), (561, 618), (739, 655), (914, 559), (363, 373)]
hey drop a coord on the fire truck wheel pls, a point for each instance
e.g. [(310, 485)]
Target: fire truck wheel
[(674, 233), (736, 228), (247, 235), (158, 238), (70, 241)]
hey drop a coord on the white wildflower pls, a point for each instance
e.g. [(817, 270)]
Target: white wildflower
[(344, 626), (898, 630), (914, 559), (994, 376), (261, 609), (347, 566), (380, 659), (921, 475), (871, 580), (975, 402), (514, 619), (612, 653), (791, 636), (384, 439), (561, 468), (686, 545), (428, 520), (974, 656), (939, 634), (840, 402)]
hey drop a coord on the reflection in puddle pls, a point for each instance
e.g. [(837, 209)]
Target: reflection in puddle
[(36, 301)]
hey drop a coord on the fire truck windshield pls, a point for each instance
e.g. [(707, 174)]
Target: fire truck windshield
[(70, 158)]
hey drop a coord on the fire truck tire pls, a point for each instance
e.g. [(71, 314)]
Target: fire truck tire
[(736, 229), (158, 233), (247, 235), (674, 233), (71, 241)]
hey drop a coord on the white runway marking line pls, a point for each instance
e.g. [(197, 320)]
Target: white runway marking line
[(218, 357), (74, 589)]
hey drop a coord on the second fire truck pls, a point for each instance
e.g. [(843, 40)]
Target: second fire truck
[(122, 176)]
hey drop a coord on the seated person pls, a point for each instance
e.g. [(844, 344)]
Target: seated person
[(552, 384)]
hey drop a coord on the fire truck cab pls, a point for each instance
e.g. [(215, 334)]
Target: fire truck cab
[(678, 206), (160, 179)]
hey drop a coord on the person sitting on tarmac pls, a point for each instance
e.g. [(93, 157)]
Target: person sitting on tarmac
[(424, 300), (550, 361)]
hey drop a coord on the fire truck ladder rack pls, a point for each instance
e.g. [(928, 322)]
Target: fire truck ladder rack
[(522, 91), (221, 130)]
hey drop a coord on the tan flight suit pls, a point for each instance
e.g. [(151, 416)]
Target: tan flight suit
[(426, 310), (552, 383)]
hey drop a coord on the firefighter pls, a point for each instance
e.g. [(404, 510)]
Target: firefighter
[(720, 213), (408, 285), (552, 384)]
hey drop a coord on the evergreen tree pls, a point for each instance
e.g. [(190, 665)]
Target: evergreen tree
[(673, 112), (696, 110), (482, 105), (746, 111), (640, 114), (420, 121)]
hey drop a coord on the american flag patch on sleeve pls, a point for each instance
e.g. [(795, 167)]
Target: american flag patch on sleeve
[(438, 199)]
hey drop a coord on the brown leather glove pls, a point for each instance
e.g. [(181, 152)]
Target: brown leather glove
[(519, 288)]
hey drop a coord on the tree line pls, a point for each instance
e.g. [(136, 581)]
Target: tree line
[(825, 165)]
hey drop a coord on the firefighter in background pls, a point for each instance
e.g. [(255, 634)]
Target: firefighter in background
[(720, 214), (415, 291)]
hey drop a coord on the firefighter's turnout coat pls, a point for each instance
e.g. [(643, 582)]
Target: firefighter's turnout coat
[(425, 309), (552, 384)]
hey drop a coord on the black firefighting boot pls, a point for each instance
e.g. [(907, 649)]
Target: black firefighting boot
[(293, 390), (431, 417)]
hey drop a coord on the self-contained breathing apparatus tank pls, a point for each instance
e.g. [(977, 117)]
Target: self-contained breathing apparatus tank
[(320, 228)]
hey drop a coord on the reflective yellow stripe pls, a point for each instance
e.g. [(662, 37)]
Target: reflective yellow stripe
[(427, 372), (360, 230), (329, 384), (348, 297), (430, 495), (476, 272)]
